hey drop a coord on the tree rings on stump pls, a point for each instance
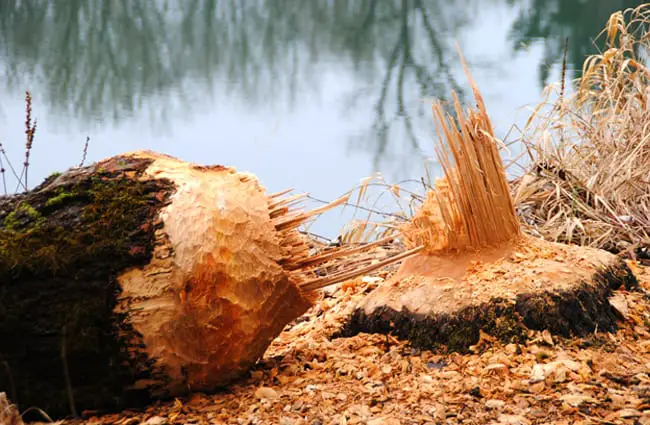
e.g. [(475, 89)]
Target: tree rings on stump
[(445, 301)]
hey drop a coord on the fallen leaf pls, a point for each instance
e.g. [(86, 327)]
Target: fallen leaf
[(575, 400), (619, 303)]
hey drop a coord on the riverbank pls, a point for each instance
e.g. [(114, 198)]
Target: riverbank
[(587, 186), (306, 378)]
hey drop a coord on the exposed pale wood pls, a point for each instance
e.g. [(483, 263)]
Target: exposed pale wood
[(337, 253), (286, 201), (301, 218), (471, 207), (315, 284), (188, 300), (279, 194)]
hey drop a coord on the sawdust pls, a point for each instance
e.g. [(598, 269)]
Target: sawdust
[(306, 378)]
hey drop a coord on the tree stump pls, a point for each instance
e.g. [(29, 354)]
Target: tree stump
[(477, 271), (143, 276), (445, 302)]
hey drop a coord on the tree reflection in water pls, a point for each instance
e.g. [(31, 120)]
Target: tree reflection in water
[(108, 60), (553, 21)]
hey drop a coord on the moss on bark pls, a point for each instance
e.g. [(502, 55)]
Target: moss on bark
[(62, 246)]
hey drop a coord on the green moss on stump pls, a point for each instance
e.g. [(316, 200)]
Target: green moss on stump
[(62, 246)]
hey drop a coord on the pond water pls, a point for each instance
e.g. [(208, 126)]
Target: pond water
[(307, 94)]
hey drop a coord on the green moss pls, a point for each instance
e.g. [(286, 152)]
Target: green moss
[(42, 236), (24, 215), (507, 328), (59, 199)]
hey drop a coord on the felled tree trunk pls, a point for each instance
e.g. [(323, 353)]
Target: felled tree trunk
[(143, 277)]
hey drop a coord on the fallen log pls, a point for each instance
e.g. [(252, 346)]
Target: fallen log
[(477, 272), (143, 276)]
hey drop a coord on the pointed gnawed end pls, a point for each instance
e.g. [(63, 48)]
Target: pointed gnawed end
[(471, 206)]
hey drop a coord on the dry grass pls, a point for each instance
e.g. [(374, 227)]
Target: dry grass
[(590, 179)]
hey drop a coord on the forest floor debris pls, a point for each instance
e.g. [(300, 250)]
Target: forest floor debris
[(308, 378)]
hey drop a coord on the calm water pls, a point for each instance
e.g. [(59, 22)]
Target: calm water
[(311, 94)]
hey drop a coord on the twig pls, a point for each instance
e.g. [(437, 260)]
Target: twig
[(315, 236), (41, 411), (360, 207), (566, 49), (11, 167), (30, 130), (85, 152), (2, 171)]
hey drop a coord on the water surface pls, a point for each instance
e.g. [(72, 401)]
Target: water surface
[(311, 94)]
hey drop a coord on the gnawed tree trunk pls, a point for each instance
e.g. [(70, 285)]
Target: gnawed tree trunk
[(143, 277), (477, 271)]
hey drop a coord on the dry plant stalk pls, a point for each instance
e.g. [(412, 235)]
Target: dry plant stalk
[(85, 152), (30, 131), (471, 206), (590, 180)]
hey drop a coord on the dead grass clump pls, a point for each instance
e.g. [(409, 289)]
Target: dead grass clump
[(590, 179)]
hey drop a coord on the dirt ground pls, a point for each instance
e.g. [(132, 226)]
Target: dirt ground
[(308, 378)]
